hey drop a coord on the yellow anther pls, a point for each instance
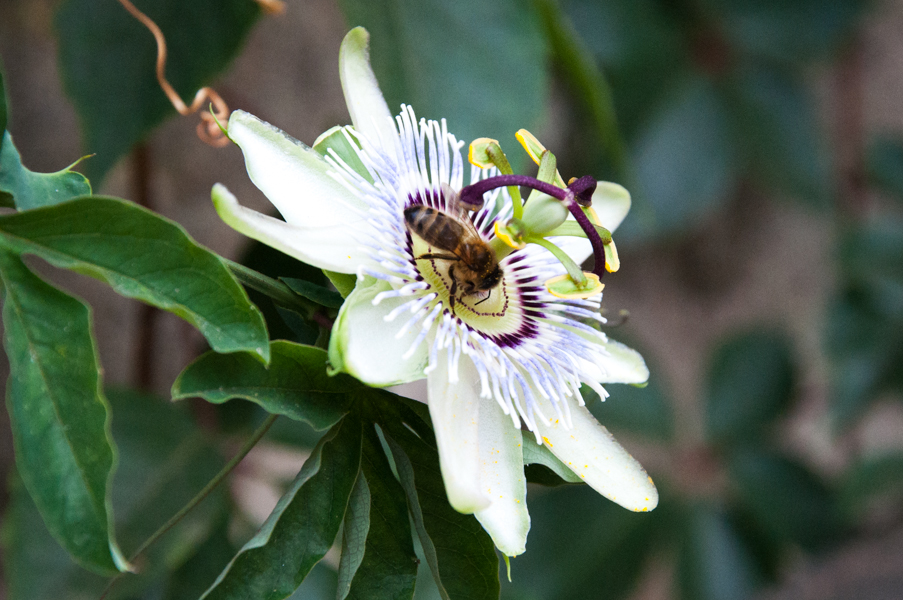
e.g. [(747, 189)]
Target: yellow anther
[(502, 233), (478, 155), (564, 287), (530, 144), (612, 263)]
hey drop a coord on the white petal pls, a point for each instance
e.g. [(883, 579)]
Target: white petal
[(502, 476), (292, 176), (363, 344), (592, 453), (454, 410), (334, 248), (369, 111), (611, 203), (621, 365)]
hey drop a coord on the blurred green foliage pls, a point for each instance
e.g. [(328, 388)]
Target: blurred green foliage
[(683, 102)]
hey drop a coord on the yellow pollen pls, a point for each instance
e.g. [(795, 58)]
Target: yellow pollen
[(546, 440)]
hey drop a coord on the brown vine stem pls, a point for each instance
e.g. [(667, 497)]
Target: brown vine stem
[(200, 496), (208, 129)]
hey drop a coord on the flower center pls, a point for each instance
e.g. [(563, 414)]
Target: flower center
[(493, 312)]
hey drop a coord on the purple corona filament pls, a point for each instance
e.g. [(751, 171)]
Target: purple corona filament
[(578, 193)]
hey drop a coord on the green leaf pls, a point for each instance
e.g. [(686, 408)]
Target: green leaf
[(33, 190), (314, 292), (460, 553), (644, 410), (786, 30), (387, 568), (540, 456), (107, 60), (355, 528), (146, 257), (787, 501), (864, 348), (684, 161), (776, 119), (870, 479), (750, 383), (481, 65), (58, 414), (303, 525), (190, 580), (885, 165), (589, 84), (163, 462), (295, 384), (583, 546), (343, 282), (871, 256), (714, 563)]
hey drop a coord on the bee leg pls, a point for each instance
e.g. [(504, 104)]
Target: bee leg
[(453, 291), (485, 299), (439, 256)]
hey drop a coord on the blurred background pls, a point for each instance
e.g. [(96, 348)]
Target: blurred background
[(762, 267)]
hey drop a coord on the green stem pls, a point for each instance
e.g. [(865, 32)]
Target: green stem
[(200, 496), (501, 162), (573, 268), (275, 289)]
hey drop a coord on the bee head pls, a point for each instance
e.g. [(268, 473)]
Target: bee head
[(491, 279)]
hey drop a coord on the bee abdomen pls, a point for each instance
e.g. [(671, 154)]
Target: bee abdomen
[(434, 226)]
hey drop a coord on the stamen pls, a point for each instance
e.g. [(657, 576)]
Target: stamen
[(579, 191)]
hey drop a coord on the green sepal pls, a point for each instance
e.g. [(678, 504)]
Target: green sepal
[(336, 140)]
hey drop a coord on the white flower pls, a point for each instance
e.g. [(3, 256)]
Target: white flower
[(516, 359)]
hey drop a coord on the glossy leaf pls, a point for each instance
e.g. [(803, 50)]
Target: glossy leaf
[(59, 416), (583, 546), (303, 525), (713, 562), (480, 65), (33, 190), (107, 60), (385, 566), (162, 464), (314, 292), (146, 257), (295, 384), (787, 501), (683, 159), (750, 383), (460, 554)]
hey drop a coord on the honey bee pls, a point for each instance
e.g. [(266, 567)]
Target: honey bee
[(475, 268)]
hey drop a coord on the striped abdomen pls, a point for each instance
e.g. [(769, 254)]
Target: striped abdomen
[(435, 227)]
